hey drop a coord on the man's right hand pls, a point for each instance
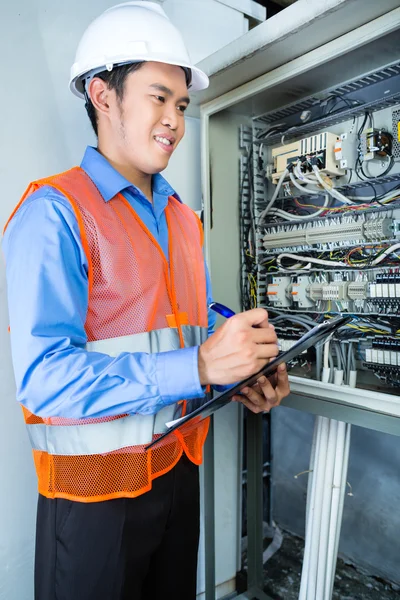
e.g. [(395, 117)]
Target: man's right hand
[(238, 349)]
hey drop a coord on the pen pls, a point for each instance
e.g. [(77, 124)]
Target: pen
[(221, 309)]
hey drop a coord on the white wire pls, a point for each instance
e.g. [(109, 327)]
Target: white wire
[(330, 190), (292, 217), (310, 260), (326, 354), (313, 180), (289, 217), (310, 178), (318, 261), (384, 254), (285, 215), (302, 188), (274, 197)]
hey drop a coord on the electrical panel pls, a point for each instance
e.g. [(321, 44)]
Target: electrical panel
[(320, 226)]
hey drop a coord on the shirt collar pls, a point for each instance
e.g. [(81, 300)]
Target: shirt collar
[(109, 182)]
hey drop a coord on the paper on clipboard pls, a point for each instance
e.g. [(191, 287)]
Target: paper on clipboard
[(170, 424)]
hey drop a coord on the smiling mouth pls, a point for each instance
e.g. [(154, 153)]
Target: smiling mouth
[(163, 140)]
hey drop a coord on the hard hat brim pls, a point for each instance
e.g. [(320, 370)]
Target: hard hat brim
[(200, 80)]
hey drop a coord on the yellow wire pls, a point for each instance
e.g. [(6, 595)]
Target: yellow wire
[(367, 329), (364, 329), (253, 290), (344, 208)]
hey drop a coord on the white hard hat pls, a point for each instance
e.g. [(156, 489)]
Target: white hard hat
[(127, 33)]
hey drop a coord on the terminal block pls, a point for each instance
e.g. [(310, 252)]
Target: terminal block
[(357, 290), (336, 290), (328, 232)]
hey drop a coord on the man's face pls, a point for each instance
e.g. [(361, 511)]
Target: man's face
[(149, 123)]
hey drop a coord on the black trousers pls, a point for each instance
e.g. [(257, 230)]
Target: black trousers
[(142, 548)]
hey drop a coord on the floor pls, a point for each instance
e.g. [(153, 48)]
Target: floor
[(283, 571)]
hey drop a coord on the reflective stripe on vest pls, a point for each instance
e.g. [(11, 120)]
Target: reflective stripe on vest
[(160, 340), (134, 430), (99, 438)]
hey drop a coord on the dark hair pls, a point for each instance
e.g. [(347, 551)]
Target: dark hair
[(115, 80)]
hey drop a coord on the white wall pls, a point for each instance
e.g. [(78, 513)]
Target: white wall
[(45, 130), (206, 25), (183, 171)]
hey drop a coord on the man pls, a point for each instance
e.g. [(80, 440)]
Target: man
[(108, 296)]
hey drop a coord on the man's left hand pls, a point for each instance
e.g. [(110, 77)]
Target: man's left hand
[(266, 393)]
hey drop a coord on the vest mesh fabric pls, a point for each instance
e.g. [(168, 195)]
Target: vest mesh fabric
[(132, 289)]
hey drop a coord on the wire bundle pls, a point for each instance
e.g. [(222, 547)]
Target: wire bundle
[(361, 257)]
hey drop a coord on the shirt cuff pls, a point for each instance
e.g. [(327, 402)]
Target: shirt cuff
[(177, 374)]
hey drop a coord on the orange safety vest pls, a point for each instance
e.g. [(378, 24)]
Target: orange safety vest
[(137, 303)]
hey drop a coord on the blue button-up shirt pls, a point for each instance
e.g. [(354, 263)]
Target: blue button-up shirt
[(47, 281)]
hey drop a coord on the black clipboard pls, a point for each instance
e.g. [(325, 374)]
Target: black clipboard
[(311, 338)]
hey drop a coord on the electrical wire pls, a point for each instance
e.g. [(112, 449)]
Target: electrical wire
[(359, 168), (308, 259), (338, 355), (350, 208), (248, 239), (302, 188), (347, 260), (383, 174), (335, 193), (310, 178), (271, 131), (389, 250), (301, 320), (274, 197), (342, 99), (283, 214), (295, 217)]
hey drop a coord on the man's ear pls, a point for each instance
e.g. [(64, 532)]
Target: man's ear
[(99, 95)]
